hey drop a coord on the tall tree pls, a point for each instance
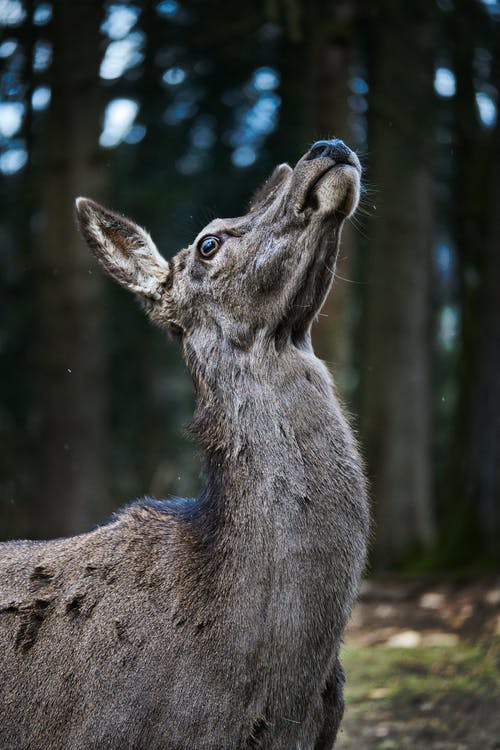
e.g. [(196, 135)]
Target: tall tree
[(396, 405), (470, 514), (480, 394), (73, 487), (18, 201)]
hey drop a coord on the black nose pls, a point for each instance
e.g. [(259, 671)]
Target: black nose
[(336, 150)]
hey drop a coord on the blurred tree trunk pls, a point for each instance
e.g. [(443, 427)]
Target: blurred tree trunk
[(396, 397), (472, 514), (481, 441), (18, 319), (73, 487), (330, 38)]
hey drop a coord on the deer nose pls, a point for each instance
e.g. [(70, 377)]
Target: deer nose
[(336, 150)]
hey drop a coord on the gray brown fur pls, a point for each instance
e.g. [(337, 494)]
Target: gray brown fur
[(210, 624)]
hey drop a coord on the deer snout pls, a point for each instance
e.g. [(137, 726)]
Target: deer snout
[(336, 150)]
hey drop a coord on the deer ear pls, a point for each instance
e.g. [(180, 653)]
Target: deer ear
[(280, 173), (127, 252)]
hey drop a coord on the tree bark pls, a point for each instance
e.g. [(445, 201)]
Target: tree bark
[(73, 485), (396, 391), (460, 517), (484, 465)]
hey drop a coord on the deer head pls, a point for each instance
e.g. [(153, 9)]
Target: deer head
[(261, 277)]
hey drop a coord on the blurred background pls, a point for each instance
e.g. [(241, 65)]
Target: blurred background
[(172, 112)]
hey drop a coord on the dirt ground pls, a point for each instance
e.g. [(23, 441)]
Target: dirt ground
[(423, 667)]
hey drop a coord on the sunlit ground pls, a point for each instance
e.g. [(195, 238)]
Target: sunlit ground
[(441, 697), (424, 671)]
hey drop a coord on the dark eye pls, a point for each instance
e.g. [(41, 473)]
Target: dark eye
[(208, 246)]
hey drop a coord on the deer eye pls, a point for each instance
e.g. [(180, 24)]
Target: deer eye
[(208, 246)]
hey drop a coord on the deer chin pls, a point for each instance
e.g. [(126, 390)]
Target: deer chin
[(325, 187), (337, 190)]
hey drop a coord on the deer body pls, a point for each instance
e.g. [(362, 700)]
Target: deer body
[(212, 623)]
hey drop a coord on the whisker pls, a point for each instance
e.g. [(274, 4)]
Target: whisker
[(360, 231), (349, 281)]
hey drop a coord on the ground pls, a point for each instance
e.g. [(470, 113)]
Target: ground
[(423, 667)]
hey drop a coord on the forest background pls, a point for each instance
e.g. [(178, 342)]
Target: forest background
[(173, 112)]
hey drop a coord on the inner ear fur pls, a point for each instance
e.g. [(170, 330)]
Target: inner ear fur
[(125, 250)]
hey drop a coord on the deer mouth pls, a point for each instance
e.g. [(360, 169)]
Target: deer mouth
[(332, 190), (327, 179), (335, 189)]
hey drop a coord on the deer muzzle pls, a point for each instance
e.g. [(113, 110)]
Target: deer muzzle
[(327, 179)]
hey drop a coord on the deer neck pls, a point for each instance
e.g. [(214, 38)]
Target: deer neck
[(269, 526), (266, 424)]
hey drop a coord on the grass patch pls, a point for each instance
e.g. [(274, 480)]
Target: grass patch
[(434, 697)]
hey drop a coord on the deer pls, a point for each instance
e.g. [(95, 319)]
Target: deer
[(212, 623)]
